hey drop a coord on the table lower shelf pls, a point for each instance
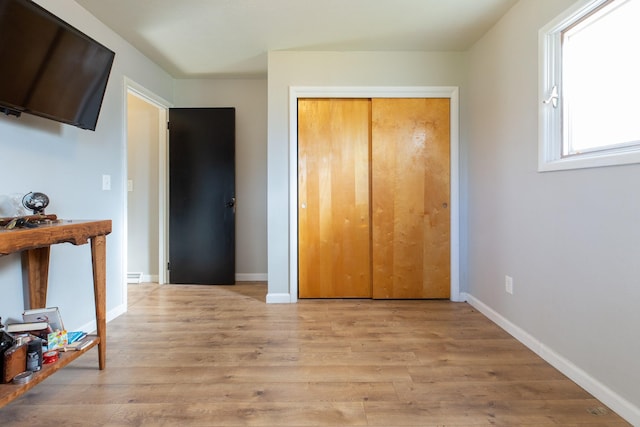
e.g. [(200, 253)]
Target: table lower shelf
[(10, 392)]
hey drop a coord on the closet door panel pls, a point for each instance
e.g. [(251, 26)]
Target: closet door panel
[(333, 198), (410, 178)]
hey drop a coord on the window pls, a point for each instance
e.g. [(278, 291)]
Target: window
[(590, 86)]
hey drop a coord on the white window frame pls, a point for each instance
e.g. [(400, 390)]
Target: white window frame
[(549, 117)]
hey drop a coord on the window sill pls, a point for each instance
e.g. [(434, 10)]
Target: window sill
[(589, 161)]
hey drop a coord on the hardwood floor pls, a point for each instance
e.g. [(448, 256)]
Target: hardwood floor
[(219, 356)]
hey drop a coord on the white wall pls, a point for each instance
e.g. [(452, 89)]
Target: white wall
[(249, 97), (569, 239), (289, 68), (67, 163), (143, 125)]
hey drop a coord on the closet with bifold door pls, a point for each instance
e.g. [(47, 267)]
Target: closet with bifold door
[(373, 198)]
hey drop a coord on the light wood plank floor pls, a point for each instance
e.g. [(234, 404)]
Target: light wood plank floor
[(219, 356)]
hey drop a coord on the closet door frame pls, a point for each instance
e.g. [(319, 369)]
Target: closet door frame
[(450, 92)]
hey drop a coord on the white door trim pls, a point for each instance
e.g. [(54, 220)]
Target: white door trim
[(450, 92), (163, 106)]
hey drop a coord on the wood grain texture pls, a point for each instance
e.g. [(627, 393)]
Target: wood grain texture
[(219, 356), (99, 272), (35, 265), (63, 231), (410, 198), (333, 198), (10, 392), (34, 243)]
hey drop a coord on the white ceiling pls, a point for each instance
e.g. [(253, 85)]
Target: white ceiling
[(224, 38)]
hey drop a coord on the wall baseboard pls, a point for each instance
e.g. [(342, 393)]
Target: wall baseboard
[(135, 277), (620, 405), (150, 278), (153, 278), (111, 314), (278, 298), (251, 277)]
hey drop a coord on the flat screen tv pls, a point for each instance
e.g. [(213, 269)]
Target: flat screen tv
[(48, 68)]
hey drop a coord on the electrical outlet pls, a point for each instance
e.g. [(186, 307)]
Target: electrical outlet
[(106, 182), (508, 284)]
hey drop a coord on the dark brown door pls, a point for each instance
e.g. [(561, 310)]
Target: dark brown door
[(202, 195)]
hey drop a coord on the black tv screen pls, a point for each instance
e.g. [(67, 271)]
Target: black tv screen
[(48, 68)]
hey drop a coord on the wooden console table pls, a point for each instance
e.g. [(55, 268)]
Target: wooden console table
[(35, 244)]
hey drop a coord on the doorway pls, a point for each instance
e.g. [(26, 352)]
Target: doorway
[(146, 188), (450, 93)]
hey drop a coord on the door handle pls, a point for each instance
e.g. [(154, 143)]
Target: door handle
[(553, 97)]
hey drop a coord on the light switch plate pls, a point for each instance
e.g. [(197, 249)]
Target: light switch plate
[(106, 182)]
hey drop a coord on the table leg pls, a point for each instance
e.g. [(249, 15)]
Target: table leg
[(98, 261), (35, 263)]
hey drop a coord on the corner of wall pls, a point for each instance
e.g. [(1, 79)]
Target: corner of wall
[(620, 405)]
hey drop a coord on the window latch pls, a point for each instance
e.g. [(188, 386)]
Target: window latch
[(553, 97)]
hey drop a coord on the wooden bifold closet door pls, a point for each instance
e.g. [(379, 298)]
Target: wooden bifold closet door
[(374, 188), (333, 198)]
